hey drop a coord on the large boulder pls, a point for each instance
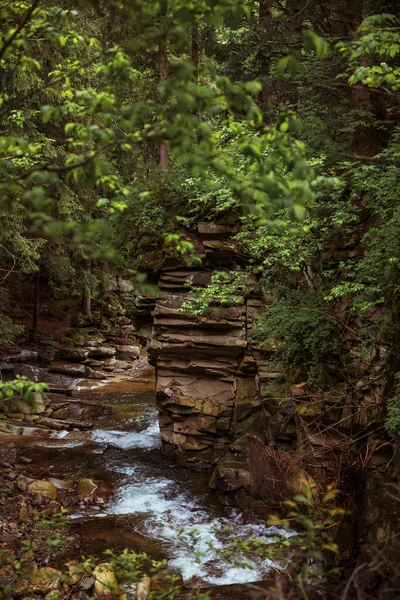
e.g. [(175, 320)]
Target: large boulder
[(32, 372), (99, 491), (105, 585), (143, 589), (93, 374), (102, 352), (73, 354), (45, 580), (74, 370), (78, 575), (35, 406), (44, 489)]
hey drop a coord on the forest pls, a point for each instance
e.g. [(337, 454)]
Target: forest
[(199, 299)]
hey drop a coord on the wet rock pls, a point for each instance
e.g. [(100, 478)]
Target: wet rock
[(35, 407), (51, 423), (25, 460), (122, 365), (75, 572), (61, 413), (62, 484), (73, 354), (102, 352), (128, 352), (79, 573), (26, 356), (230, 474), (33, 373), (143, 589), (43, 489), (36, 431), (59, 389), (22, 482), (46, 355), (92, 374), (87, 583), (105, 585), (9, 429), (45, 580), (95, 490), (97, 364), (75, 370)]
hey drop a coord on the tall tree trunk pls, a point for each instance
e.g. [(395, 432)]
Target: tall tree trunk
[(163, 74), (295, 28), (195, 50), (36, 304), (367, 140), (87, 296), (101, 301), (87, 304), (264, 56), (294, 25)]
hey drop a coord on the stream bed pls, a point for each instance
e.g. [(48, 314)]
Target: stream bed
[(156, 506)]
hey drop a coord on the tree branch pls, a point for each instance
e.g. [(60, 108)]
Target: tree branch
[(20, 27)]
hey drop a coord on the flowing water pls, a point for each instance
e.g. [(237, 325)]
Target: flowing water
[(156, 506)]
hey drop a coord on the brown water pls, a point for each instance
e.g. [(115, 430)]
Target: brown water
[(156, 507)]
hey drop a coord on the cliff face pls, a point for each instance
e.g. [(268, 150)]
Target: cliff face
[(222, 407), (208, 384)]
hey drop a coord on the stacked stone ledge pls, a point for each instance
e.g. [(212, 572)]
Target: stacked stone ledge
[(206, 374)]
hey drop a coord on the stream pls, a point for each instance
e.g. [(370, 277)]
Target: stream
[(156, 506)]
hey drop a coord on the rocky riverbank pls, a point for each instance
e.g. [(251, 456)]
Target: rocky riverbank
[(122, 493)]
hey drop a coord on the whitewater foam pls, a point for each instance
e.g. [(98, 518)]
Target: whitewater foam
[(190, 533), (148, 438)]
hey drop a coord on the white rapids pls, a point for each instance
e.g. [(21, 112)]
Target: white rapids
[(190, 532), (194, 537), (148, 438)]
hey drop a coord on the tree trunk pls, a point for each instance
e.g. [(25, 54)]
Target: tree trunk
[(367, 140), (264, 58), (87, 304), (294, 25), (295, 28), (195, 50), (36, 305), (163, 73), (87, 297), (101, 302)]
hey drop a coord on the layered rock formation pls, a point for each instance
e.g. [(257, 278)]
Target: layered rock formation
[(222, 406), (208, 384)]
